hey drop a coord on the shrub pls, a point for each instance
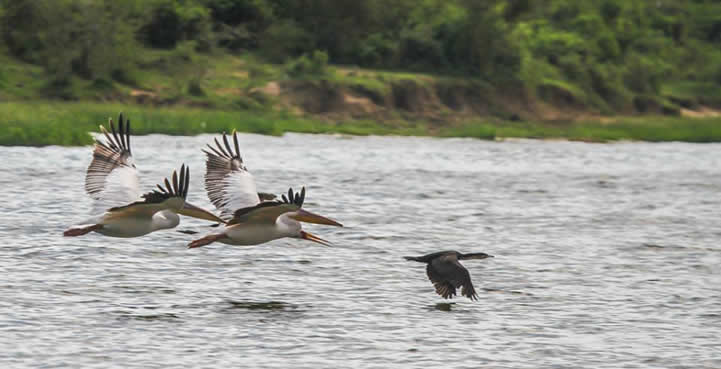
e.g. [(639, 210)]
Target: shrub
[(194, 88), (171, 22), (314, 65), (418, 48), (284, 39), (66, 37), (376, 50), (255, 14)]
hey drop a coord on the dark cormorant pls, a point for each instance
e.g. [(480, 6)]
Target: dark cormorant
[(447, 273)]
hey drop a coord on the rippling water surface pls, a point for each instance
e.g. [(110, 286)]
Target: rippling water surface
[(607, 256)]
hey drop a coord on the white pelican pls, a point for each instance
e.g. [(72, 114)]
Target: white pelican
[(112, 181), (232, 190)]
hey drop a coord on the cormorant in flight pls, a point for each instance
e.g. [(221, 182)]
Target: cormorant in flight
[(447, 273)]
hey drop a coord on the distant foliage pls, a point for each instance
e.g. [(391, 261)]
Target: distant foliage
[(285, 39), (90, 39), (171, 22), (314, 65), (603, 52)]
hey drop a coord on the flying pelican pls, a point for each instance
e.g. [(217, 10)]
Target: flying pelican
[(447, 273), (112, 181), (231, 188)]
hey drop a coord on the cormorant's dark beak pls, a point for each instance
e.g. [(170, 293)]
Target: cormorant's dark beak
[(477, 255)]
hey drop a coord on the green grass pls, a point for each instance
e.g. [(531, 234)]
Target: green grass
[(648, 128), (38, 124), (480, 130), (68, 124)]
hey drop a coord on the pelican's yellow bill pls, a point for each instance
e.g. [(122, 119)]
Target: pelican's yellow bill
[(308, 217), (198, 212), (311, 237)]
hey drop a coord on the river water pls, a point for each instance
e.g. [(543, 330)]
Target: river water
[(606, 256)]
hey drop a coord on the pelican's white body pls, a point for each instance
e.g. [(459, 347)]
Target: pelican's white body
[(127, 227), (248, 234), (135, 225)]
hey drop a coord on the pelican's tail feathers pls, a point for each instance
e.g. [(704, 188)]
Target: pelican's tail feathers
[(207, 240), (79, 231)]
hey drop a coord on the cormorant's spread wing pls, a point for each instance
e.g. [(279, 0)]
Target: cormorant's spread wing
[(447, 274), (442, 286), (227, 181), (111, 178), (464, 278)]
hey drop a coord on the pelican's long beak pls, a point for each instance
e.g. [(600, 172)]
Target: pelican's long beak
[(198, 212), (311, 237), (308, 217)]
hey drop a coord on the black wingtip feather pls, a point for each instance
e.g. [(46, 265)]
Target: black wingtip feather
[(115, 133), (217, 143), (181, 183), (225, 149), (215, 152), (237, 146), (118, 139), (187, 181), (127, 136), (178, 188), (227, 145), (175, 182), (296, 198)]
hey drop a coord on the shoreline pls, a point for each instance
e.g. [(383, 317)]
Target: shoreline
[(45, 123)]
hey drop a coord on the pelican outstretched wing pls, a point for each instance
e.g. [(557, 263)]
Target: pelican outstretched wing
[(227, 181), (171, 196), (267, 212), (112, 179)]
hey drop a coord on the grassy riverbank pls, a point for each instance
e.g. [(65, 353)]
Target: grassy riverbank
[(68, 124), (593, 71)]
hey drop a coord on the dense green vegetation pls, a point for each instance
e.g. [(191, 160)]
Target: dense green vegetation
[(40, 124), (214, 57), (608, 54)]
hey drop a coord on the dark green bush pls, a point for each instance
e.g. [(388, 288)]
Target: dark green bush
[(418, 48), (376, 50), (283, 40), (194, 88), (69, 37), (171, 22), (314, 65)]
